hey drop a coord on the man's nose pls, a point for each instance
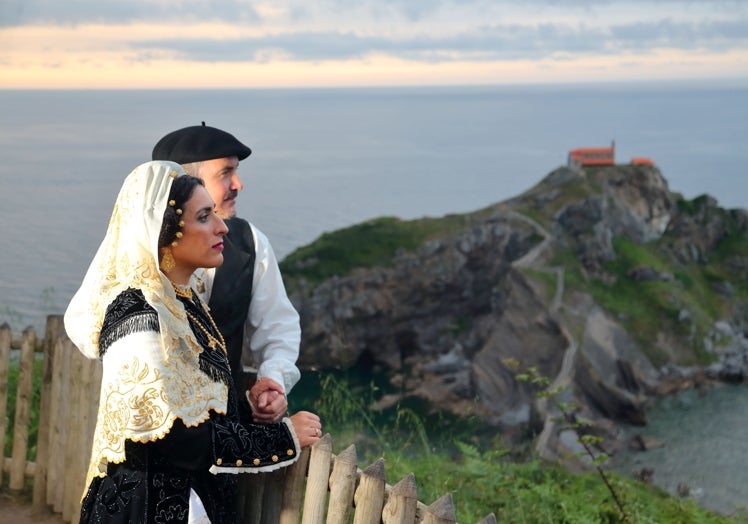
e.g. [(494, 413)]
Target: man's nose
[(236, 183)]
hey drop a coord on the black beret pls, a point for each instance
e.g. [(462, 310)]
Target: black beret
[(198, 143)]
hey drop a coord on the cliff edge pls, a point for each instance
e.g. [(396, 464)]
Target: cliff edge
[(601, 279)]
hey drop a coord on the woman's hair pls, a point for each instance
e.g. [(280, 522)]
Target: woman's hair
[(181, 190)]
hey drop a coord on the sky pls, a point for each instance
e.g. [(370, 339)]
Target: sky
[(50, 44)]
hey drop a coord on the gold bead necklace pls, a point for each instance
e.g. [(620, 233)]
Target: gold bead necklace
[(212, 341), (184, 292)]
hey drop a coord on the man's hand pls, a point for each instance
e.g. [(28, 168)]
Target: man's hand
[(267, 400)]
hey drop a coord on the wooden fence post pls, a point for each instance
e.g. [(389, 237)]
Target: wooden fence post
[(294, 489), (72, 449), (54, 330), (58, 436), (23, 410), (315, 496), (342, 486), (402, 502), (5, 338), (272, 498), (488, 519), (261, 497), (81, 423), (369, 497), (251, 489), (441, 511)]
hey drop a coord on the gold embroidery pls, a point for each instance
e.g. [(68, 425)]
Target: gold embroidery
[(141, 401), (153, 379)]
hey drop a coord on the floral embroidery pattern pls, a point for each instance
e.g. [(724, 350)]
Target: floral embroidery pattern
[(143, 392)]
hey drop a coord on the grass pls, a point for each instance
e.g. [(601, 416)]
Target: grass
[(11, 411), (649, 308), (646, 308), (482, 476), (371, 243), (461, 458)]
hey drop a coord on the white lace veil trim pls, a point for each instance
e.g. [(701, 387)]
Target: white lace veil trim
[(128, 258)]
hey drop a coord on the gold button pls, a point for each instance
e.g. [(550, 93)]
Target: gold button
[(289, 452), (275, 458), (219, 461), (256, 462), (239, 463)]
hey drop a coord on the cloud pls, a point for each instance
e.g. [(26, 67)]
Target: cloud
[(14, 13), (491, 42), (372, 38)]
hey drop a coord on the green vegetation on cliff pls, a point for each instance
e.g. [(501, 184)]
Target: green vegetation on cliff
[(679, 308), (371, 243)]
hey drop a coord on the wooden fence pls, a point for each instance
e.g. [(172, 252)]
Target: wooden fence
[(319, 487)]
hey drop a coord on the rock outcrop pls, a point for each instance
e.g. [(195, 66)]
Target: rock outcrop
[(531, 283)]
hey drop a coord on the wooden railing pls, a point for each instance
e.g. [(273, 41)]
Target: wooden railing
[(319, 487)]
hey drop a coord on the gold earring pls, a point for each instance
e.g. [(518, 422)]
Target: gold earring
[(167, 261)]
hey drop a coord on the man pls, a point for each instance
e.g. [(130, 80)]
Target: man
[(246, 294)]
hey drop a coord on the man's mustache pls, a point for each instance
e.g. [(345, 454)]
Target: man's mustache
[(232, 194)]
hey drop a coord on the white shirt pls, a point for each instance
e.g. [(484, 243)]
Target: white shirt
[(272, 332)]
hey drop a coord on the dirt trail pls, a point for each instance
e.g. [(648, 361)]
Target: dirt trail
[(14, 510)]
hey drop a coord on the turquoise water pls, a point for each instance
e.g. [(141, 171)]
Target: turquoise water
[(706, 446)]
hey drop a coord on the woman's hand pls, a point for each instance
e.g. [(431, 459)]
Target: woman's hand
[(307, 427), (267, 400)]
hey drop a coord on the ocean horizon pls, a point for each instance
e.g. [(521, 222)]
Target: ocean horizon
[(324, 159)]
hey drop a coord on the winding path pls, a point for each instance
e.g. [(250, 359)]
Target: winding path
[(564, 377)]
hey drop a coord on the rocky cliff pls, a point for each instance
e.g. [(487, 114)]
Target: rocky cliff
[(602, 280)]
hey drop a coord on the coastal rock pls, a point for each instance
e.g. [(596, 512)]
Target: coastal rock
[(648, 274), (612, 372), (641, 443), (645, 474), (522, 286)]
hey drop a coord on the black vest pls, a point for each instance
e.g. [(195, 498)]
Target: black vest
[(232, 291)]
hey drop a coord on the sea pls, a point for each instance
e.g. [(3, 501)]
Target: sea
[(324, 159)]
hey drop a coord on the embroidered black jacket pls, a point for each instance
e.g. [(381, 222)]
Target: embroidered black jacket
[(153, 483)]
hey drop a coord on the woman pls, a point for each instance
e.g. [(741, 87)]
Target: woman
[(168, 432)]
